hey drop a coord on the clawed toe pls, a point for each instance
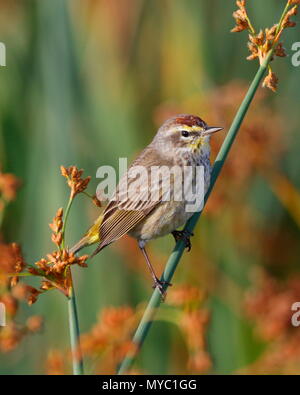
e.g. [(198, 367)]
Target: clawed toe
[(160, 285), (184, 235)]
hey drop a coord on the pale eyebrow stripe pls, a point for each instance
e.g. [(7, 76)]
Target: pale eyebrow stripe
[(188, 128)]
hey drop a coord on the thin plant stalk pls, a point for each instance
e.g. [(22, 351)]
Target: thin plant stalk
[(174, 259), (77, 359), (65, 220)]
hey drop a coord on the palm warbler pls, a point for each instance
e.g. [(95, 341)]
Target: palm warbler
[(181, 142)]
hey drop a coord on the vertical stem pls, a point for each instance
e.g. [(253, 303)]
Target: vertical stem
[(63, 231), (77, 359), (154, 303)]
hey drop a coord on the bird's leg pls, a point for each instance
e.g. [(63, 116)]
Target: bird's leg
[(184, 235), (157, 282)]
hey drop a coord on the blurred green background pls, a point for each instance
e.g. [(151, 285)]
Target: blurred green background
[(90, 81)]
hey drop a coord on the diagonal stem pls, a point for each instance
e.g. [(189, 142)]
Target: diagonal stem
[(174, 259)]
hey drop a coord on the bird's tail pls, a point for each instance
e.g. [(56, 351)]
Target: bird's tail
[(91, 237)]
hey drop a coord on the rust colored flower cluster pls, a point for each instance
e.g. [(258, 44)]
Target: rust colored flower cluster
[(269, 305), (192, 321), (55, 363), (241, 17), (11, 294), (185, 296), (261, 43), (106, 344), (56, 226), (9, 185), (11, 261), (55, 270), (109, 339), (55, 267), (271, 81), (74, 178), (12, 334), (194, 325), (280, 358)]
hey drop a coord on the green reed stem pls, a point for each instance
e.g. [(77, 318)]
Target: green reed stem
[(154, 303), (77, 359), (67, 212)]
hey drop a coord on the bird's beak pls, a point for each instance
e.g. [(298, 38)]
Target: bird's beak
[(211, 130)]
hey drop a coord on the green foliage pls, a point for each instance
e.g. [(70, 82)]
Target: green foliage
[(80, 90)]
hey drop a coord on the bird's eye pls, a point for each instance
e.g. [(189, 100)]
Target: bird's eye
[(184, 133)]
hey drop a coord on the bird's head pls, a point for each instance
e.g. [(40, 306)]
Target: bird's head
[(185, 134)]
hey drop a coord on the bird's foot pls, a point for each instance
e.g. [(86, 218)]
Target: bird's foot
[(184, 235), (160, 285)]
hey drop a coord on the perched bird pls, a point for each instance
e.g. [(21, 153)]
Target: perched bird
[(183, 140)]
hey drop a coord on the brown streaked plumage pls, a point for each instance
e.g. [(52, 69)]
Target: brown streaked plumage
[(181, 141)]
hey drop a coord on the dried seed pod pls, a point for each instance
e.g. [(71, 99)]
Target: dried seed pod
[(271, 81)]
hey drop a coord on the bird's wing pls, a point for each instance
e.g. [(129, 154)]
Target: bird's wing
[(131, 202)]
